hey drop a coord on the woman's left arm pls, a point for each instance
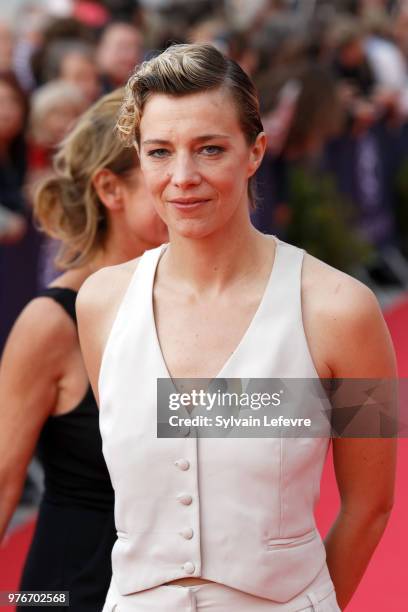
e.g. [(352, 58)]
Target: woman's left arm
[(360, 347)]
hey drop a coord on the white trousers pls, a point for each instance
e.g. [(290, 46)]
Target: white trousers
[(214, 597)]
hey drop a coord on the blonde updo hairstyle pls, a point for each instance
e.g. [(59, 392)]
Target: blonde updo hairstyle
[(67, 206), (186, 69)]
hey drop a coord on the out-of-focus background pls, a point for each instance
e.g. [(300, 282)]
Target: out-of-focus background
[(333, 83)]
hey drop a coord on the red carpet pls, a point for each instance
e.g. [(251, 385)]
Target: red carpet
[(384, 587), (12, 554)]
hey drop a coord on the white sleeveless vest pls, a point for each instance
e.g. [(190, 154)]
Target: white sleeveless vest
[(234, 511)]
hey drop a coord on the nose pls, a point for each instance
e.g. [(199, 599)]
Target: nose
[(184, 173)]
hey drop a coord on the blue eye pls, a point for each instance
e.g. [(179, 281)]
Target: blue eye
[(212, 150), (159, 153)]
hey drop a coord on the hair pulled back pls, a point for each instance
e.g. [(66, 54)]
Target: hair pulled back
[(67, 206)]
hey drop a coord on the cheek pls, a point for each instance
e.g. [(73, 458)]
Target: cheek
[(144, 214), (143, 204), (228, 177), (155, 178), (147, 223)]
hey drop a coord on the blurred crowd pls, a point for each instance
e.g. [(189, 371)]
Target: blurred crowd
[(333, 83)]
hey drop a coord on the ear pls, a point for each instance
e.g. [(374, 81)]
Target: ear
[(109, 189), (256, 154)]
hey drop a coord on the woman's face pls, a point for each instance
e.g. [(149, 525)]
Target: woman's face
[(196, 161), (11, 113), (141, 217), (81, 71)]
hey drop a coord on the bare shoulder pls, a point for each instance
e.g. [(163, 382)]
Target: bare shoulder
[(335, 294), (106, 286), (51, 335), (344, 323), (45, 321)]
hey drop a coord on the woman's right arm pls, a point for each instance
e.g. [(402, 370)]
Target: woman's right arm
[(30, 371)]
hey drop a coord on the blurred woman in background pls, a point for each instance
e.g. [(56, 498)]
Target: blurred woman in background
[(97, 207), (13, 214), (55, 107), (13, 112)]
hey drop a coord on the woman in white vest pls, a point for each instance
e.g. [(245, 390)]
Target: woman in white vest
[(225, 524)]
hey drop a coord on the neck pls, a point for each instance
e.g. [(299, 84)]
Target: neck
[(213, 262)]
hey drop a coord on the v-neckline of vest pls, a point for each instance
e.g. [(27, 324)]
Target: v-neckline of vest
[(251, 325)]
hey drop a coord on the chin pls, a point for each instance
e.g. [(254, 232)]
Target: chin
[(194, 228)]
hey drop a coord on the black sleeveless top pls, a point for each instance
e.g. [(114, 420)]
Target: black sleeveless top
[(75, 529), (70, 444)]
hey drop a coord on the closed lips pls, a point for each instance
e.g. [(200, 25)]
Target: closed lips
[(189, 202)]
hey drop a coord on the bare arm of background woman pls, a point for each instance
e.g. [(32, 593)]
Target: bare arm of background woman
[(30, 373)]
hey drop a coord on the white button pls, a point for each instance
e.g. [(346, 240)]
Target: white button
[(189, 567), (182, 464), (187, 533), (185, 499)]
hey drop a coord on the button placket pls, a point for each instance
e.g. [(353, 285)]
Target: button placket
[(187, 497)]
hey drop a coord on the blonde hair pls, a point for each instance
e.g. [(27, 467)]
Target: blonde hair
[(185, 69), (67, 206)]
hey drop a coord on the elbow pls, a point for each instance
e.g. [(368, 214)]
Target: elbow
[(375, 513), (11, 485), (10, 493), (377, 520), (385, 509)]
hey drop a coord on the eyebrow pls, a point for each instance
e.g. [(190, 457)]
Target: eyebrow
[(205, 137)]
